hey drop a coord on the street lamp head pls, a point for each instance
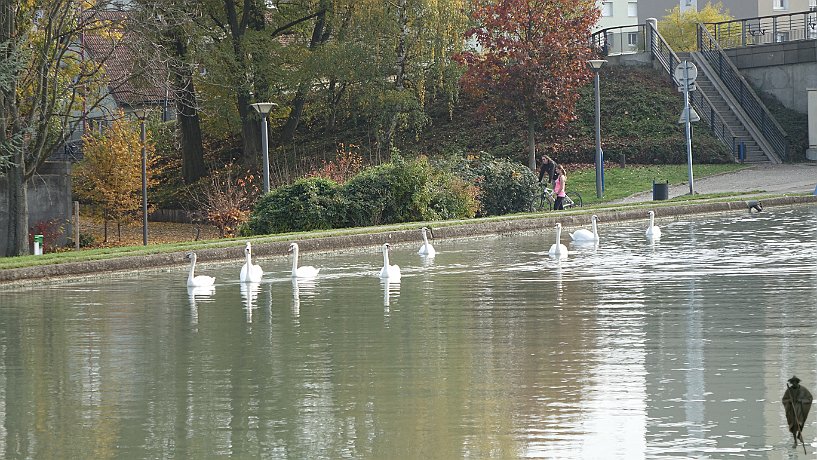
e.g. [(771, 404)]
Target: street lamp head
[(595, 64), (264, 107)]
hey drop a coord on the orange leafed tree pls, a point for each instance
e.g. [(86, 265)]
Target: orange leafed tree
[(530, 60), (110, 173)]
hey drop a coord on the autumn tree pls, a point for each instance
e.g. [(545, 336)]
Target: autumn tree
[(110, 173), (680, 29), (47, 86), (533, 59)]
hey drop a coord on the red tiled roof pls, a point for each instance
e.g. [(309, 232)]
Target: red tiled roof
[(133, 76)]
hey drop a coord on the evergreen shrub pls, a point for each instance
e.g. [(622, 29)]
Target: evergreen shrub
[(307, 204)]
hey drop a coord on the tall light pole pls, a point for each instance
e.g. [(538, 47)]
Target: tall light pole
[(595, 66), (141, 114), (264, 109)]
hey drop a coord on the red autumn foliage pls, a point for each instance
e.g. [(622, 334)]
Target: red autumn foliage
[(533, 58)]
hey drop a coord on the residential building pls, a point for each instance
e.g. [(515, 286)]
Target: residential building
[(738, 9), (617, 13)]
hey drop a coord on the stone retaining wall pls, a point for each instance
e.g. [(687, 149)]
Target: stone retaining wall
[(461, 229)]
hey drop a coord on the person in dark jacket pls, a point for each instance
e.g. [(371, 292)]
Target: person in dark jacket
[(797, 402), (549, 167)]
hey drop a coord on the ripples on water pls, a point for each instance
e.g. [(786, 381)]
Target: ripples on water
[(675, 349)]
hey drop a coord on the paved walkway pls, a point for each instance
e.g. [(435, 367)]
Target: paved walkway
[(784, 178)]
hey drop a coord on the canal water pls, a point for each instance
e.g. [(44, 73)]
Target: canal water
[(679, 348)]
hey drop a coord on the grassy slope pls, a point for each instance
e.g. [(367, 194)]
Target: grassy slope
[(640, 109)]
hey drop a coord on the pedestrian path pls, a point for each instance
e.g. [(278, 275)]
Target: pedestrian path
[(768, 178)]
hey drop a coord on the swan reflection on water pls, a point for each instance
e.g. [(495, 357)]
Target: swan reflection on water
[(305, 286), (390, 289), (249, 293), (195, 293)]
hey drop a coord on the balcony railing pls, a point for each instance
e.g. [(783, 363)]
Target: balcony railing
[(620, 40), (765, 30)]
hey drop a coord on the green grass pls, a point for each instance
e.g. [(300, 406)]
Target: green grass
[(620, 183), (623, 182)]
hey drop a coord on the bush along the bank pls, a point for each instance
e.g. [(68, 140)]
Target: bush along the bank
[(505, 187), (307, 204), (404, 190)]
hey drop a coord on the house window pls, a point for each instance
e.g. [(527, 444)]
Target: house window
[(607, 9), (632, 9), (780, 4), (632, 39), (782, 37)]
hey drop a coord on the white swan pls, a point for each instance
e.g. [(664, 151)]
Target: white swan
[(306, 271), (558, 250), (653, 231), (250, 273), (389, 272), (586, 236), (200, 280), (427, 249)]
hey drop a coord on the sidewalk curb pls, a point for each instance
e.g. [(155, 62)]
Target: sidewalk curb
[(445, 230)]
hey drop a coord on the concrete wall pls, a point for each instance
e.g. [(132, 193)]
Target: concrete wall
[(49, 198), (783, 70)]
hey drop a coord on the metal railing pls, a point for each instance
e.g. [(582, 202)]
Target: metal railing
[(620, 40), (70, 151), (742, 92), (765, 30), (669, 60)]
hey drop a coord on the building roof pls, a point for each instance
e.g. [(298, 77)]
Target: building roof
[(134, 77)]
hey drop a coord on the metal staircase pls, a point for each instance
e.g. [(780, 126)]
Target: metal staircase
[(745, 147), (725, 102)]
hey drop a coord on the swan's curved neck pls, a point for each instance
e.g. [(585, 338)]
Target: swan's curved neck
[(595, 230), (385, 257), (192, 269), (248, 255), (425, 238), (558, 240), (294, 259), (652, 220)]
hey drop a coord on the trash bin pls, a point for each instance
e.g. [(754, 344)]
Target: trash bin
[(38, 245), (660, 191)]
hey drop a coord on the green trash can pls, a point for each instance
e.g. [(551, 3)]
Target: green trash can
[(38, 245), (660, 191)]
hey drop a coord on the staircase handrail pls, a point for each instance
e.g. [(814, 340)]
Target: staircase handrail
[(742, 92), (669, 60), (735, 33)]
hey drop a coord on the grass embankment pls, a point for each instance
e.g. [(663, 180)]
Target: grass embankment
[(620, 183)]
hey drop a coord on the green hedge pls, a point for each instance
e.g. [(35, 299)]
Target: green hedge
[(307, 204)]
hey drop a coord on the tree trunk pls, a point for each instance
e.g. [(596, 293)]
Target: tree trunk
[(532, 142), (250, 130), (17, 239), (187, 114), (400, 68), (318, 38)]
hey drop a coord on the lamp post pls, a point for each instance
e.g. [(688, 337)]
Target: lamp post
[(595, 66), (141, 114), (264, 109)]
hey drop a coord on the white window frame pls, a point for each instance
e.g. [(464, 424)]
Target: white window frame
[(632, 9), (607, 9), (632, 39), (780, 5)]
